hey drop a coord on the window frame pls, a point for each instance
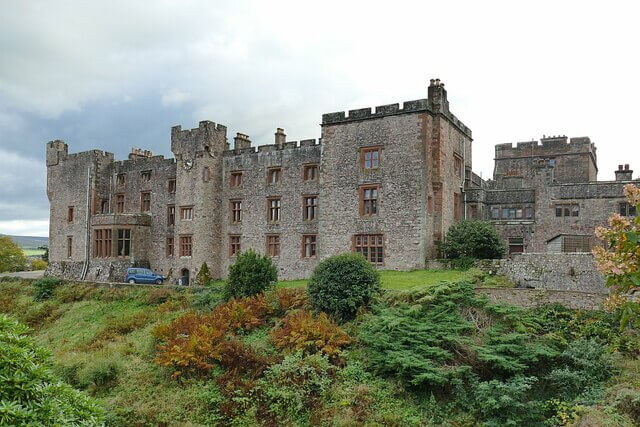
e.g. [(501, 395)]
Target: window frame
[(145, 201), (567, 210), (276, 172), (69, 246), (380, 252), (274, 209), (306, 169), (121, 179), (70, 212), (169, 247), (457, 165), (102, 243), (120, 203), (184, 210), (273, 241), (630, 210), (309, 211), (236, 214), (363, 157), (171, 215), (145, 175), (312, 244), (171, 185), (235, 179), (235, 245), (373, 204), (186, 246), (126, 237)]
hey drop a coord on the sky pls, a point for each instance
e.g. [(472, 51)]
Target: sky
[(113, 75)]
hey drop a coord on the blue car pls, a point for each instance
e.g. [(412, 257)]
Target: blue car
[(143, 275)]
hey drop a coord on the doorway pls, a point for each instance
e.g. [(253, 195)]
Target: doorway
[(184, 277)]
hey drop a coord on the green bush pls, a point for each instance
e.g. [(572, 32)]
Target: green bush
[(473, 239), (99, 373), (45, 288), (11, 256), (294, 386), (203, 278), (341, 284), (250, 275), (38, 264), (505, 403), (30, 394)]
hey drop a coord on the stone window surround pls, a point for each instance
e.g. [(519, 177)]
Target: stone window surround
[(145, 201), (507, 208), (186, 213), (70, 214), (274, 210), (171, 215), (120, 200), (169, 247), (235, 179), (186, 245), (567, 210), (309, 241), (102, 243), (626, 209), (145, 175), (272, 242), (234, 244), (372, 203), (378, 252), (171, 185), (310, 172), (235, 209), (310, 211), (274, 175), (370, 150), (126, 237), (69, 246)]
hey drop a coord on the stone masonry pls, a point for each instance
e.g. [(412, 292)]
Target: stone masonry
[(386, 183)]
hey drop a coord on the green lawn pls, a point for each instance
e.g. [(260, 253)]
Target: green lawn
[(392, 279), (33, 252)]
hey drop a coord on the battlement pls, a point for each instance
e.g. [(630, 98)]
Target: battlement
[(203, 126), (269, 148), (547, 146), (415, 106)]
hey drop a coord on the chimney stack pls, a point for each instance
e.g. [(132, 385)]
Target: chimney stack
[(624, 174), (241, 141), (280, 137), (437, 97)]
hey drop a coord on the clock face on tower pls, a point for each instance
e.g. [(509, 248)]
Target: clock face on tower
[(187, 164)]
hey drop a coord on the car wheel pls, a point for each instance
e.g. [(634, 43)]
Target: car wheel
[(159, 282), (132, 281)]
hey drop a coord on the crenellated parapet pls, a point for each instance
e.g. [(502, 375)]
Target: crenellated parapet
[(547, 146), (273, 148), (207, 136)]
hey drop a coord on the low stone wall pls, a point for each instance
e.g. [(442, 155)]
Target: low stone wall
[(98, 271), (528, 298), (564, 271)]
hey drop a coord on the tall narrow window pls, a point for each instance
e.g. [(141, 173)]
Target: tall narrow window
[(124, 242), (69, 246), (310, 212), (308, 245), (145, 201), (104, 206), (171, 215), (171, 186), (495, 213), (236, 211), (371, 246), (310, 172), (120, 179), (457, 206), (102, 243), (70, 214), (235, 179), (370, 157), (145, 176), (274, 175), (206, 174), (274, 209), (369, 200), (185, 245), (234, 245), (120, 203), (186, 212), (169, 246), (273, 244)]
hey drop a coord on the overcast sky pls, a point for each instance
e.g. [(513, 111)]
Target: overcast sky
[(116, 74)]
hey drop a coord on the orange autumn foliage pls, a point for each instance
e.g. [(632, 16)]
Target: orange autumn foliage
[(301, 331)]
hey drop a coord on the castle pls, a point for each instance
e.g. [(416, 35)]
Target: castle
[(386, 183)]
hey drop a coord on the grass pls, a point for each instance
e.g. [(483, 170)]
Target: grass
[(392, 279), (33, 252)]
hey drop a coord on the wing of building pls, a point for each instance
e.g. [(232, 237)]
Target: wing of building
[(386, 182)]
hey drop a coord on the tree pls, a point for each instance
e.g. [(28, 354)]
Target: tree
[(341, 284), (45, 255), (203, 277), (473, 239), (621, 262), (250, 274), (11, 256)]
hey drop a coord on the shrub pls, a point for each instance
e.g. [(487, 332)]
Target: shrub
[(38, 264), (473, 239), (158, 296), (203, 278), (29, 391), (208, 299), (295, 386), (628, 402), (341, 284), (100, 373), (285, 299), (44, 288), (123, 325), (11, 256), (251, 274), (196, 342), (505, 403), (73, 292), (39, 314), (300, 331)]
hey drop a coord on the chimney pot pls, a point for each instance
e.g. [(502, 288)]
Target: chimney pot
[(619, 167), (280, 136), (626, 167)]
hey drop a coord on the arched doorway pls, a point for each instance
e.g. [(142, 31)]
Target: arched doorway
[(184, 277)]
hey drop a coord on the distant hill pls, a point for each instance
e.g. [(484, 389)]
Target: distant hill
[(29, 242)]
